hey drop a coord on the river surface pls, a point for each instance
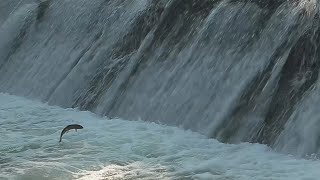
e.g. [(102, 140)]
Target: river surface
[(123, 149)]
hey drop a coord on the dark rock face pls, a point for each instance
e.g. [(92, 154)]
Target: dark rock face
[(236, 70)]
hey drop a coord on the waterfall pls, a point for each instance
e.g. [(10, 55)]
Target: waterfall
[(234, 70)]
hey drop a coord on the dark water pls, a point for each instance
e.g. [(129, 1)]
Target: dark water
[(235, 70)]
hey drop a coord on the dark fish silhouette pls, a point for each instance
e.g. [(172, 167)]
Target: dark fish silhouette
[(69, 127)]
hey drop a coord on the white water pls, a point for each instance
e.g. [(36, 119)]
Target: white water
[(120, 149)]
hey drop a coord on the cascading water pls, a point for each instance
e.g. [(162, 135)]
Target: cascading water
[(233, 70)]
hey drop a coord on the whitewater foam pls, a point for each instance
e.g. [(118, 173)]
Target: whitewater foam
[(121, 149)]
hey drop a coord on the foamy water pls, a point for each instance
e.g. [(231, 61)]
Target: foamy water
[(121, 149)]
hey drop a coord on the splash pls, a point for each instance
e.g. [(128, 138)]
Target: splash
[(310, 7)]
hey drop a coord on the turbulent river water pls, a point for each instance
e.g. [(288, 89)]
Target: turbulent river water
[(233, 70), (122, 149), (165, 89)]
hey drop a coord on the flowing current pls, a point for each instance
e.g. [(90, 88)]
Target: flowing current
[(167, 89), (108, 149)]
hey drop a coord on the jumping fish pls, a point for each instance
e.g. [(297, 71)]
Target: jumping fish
[(69, 127)]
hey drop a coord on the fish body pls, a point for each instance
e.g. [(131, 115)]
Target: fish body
[(69, 127)]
